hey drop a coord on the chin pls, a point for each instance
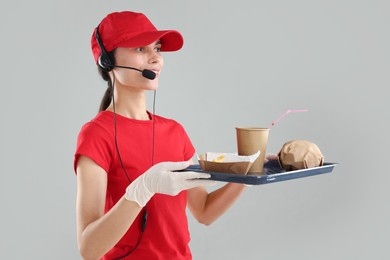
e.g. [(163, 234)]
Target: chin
[(152, 86)]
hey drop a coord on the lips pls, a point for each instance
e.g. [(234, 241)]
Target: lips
[(155, 71)]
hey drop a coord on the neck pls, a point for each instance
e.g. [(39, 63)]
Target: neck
[(130, 103)]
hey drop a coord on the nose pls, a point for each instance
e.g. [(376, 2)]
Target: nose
[(155, 57)]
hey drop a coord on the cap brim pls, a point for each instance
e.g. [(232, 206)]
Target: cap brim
[(170, 40)]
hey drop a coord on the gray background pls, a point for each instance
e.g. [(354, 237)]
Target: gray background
[(243, 64)]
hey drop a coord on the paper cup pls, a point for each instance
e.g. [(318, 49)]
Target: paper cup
[(249, 141)]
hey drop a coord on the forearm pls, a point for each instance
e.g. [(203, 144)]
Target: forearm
[(219, 201), (102, 234), (99, 232)]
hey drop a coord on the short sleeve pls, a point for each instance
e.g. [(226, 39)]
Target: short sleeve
[(188, 148), (96, 143)]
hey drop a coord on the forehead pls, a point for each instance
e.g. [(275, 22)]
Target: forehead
[(156, 42)]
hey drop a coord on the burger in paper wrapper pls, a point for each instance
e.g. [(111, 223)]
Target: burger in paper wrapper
[(300, 154)]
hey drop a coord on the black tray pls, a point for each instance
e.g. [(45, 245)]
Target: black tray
[(272, 173)]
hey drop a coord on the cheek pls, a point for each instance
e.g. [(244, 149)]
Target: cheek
[(135, 79), (127, 77)]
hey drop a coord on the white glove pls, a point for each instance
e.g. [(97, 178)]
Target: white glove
[(270, 157), (161, 179)]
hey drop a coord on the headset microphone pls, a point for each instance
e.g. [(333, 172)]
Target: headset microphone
[(145, 73)]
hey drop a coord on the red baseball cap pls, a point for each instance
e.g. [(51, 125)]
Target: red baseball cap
[(131, 30)]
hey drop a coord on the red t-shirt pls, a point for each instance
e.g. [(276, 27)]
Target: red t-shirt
[(166, 235)]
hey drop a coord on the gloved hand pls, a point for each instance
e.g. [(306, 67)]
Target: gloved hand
[(270, 157), (160, 178)]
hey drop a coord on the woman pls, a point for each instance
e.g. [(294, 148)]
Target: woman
[(131, 201)]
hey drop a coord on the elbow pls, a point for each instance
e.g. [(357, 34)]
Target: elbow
[(206, 223), (87, 253), (204, 220)]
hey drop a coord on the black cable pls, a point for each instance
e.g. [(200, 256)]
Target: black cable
[(131, 251), (145, 215), (154, 106), (115, 135)]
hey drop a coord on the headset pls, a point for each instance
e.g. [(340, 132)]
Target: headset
[(106, 62)]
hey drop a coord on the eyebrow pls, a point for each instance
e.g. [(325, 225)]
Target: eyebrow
[(158, 42)]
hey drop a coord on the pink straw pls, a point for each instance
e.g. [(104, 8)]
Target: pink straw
[(285, 113)]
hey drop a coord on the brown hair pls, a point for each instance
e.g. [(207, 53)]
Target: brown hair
[(106, 100)]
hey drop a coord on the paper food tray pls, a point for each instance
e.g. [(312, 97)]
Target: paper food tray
[(272, 173)]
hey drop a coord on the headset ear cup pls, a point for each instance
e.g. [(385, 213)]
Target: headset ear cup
[(106, 61)]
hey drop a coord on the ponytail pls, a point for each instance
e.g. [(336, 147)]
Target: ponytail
[(106, 100)]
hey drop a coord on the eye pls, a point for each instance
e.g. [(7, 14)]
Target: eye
[(157, 47), (139, 49)]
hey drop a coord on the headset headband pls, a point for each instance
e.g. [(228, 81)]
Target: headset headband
[(105, 60)]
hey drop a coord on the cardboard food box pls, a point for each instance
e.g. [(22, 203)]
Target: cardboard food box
[(233, 167)]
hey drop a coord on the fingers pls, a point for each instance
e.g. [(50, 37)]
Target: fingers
[(192, 175), (271, 156), (195, 179), (199, 182), (173, 166)]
